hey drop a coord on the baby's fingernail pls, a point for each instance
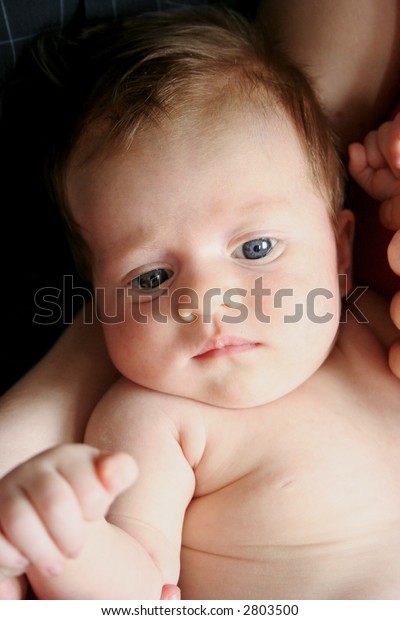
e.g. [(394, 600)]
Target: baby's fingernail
[(386, 211)]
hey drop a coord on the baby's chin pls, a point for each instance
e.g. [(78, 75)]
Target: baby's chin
[(236, 398)]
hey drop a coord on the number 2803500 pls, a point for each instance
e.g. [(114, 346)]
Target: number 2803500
[(270, 610)]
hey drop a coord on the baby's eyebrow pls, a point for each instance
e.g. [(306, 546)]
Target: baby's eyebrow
[(265, 203), (133, 251)]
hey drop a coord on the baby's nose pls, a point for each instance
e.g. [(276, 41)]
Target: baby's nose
[(214, 305), (204, 305)]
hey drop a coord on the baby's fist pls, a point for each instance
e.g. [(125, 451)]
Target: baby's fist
[(45, 501)]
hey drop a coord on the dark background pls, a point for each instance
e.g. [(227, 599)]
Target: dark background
[(34, 255)]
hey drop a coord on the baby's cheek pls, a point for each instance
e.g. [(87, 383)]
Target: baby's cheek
[(323, 306), (121, 346), (136, 350)]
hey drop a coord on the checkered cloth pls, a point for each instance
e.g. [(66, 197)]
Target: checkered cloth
[(22, 20), (33, 250)]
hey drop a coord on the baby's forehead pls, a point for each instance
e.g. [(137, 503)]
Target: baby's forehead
[(184, 148), (103, 159), (102, 138)]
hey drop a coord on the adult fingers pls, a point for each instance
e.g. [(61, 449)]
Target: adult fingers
[(394, 358), (389, 213), (393, 253), (395, 309)]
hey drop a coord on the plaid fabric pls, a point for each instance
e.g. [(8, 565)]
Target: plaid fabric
[(22, 20), (33, 250)]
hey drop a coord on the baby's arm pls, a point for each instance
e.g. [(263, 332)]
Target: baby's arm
[(375, 165), (136, 550), (45, 501), (52, 402)]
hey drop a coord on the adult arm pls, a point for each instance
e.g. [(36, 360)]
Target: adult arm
[(349, 49), (52, 402)]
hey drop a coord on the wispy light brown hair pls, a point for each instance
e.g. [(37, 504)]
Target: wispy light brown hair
[(123, 75)]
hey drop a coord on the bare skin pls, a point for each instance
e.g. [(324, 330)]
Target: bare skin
[(376, 166), (350, 50), (292, 497), (314, 513), (66, 383), (254, 528), (300, 500), (71, 379)]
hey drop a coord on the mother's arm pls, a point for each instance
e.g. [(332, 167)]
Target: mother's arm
[(52, 402), (350, 50)]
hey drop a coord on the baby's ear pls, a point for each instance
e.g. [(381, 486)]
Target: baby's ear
[(344, 237)]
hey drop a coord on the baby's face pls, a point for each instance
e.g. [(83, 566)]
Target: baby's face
[(227, 220)]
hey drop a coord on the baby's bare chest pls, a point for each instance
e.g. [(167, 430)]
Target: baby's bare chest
[(302, 503)]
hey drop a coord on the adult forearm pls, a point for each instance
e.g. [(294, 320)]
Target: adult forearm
[(52, 402), (112, 565), (350, 49)]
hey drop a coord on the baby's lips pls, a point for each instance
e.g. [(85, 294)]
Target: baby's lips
[(220, 342)]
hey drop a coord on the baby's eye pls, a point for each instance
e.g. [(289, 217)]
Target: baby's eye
[(151, 279), (254, 249)]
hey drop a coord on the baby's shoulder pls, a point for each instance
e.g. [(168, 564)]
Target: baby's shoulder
[(133, 401), (139, 413)]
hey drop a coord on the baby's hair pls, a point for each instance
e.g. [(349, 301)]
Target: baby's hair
[(115, 79)]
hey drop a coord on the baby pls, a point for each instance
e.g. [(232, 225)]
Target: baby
[(250, 449)]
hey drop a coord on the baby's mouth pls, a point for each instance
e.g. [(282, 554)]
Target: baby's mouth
[(224, 345)]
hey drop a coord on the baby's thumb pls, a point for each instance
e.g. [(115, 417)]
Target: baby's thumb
[(116, 471)]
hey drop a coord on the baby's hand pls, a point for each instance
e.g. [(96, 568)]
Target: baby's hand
[(45, 501), (13, 588), (375, 165)]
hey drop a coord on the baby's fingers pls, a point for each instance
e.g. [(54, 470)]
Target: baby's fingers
[(13, 589), (116, 472), (57, 506), (97, 479), (12, 562), (22, 527)]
